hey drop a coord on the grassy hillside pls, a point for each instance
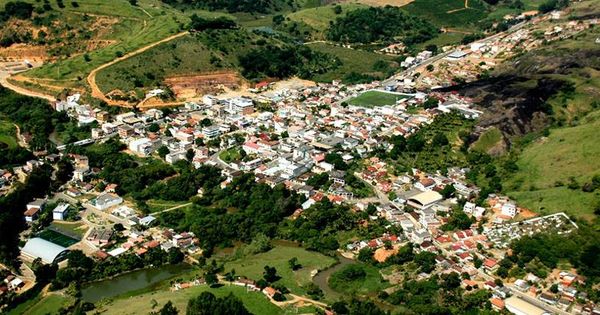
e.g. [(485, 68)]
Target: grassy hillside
[(549, 165), (449, 13), (353, 60)]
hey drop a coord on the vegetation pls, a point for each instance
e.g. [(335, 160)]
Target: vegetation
[(236, 213), (380, 24), (255, 302), (286, 61), (357, 279), (371, 99), (355, 66), (12, 221), (452, 13), (296, 280), (207, 304)]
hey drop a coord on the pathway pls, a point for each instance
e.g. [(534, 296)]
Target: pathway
[(91, 78)]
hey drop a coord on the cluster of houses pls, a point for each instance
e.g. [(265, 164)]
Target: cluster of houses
[(468, 61), (139, 242)]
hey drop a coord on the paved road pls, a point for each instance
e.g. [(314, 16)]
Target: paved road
[(435, 58)]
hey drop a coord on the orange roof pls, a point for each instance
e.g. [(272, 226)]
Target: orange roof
[(497, 302)]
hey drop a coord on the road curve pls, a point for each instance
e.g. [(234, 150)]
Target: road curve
[(91, 78), (4, 82)]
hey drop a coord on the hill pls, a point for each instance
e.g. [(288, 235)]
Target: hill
[(544, 102)]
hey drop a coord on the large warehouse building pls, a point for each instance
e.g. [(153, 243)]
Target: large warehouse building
[(47, 251)]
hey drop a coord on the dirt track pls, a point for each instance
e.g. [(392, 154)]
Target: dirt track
[(91, 78)]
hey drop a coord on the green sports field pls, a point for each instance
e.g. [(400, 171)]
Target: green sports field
[(372, 99)]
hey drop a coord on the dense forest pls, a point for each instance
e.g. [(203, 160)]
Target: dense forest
[(286, 61), (33, 115), (380, 24), (236, 213), (12, 206)]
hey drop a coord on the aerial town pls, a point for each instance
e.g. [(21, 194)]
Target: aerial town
[(303, 137)]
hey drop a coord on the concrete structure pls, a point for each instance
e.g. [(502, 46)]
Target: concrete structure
[(425, 199), (60, 212), (47, 251), (518, 306)]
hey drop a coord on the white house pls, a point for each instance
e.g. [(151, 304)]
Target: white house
[(509, 209)]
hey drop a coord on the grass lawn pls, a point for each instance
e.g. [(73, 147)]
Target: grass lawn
[(546, 166), (443, 39), (487, 140), (278, 257), (57, 238), (70, 228), (255, 302), (231, 155), (371, 281), (50, 304), (160, 205), (8, 134), (375, 98), (353, 60)]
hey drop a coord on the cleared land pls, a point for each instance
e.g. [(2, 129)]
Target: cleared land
[(375, 98), (256, 302), (278, 257), (546, 166)]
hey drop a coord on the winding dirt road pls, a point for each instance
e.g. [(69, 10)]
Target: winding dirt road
[(4, 82), (91, 78)]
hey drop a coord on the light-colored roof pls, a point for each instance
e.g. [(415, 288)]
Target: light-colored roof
[(520, 307), (426, 198), (40, 248)]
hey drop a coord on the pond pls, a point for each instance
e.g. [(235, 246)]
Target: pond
[(131, 281)]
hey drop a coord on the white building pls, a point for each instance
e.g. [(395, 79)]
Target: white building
[(60, 212), (509, 209)]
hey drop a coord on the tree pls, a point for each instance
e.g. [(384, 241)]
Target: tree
[(270, 274), (431, 102), (429, 68), (293, 263), (337, 9), (87, 57), (211, 279), (278, 19), (189, 155), (175, 255), (365, 255), (451, 280), (207, 304), (133, 2), (554, 288), (163, 151), (154, 127)]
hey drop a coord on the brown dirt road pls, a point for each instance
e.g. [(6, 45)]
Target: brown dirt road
[(91, 78)]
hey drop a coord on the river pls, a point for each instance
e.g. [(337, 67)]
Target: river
[(131, 281), (321, 278)]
